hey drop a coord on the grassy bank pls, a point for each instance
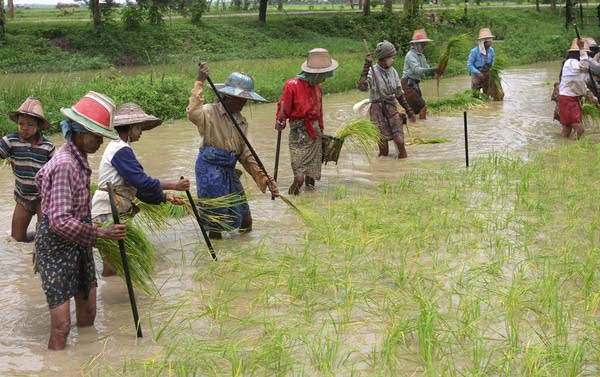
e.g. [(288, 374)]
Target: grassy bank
[(271, 53), (490, 271)]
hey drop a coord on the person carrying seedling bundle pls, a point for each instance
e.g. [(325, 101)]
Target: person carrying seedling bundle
[(223, 146), (65, 235), (384, 87), (28, 151), (414, 71), (301, 103), (480, 61), (572, 87), (120, 167)]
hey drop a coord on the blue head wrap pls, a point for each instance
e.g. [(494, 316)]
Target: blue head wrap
[(68, 126)]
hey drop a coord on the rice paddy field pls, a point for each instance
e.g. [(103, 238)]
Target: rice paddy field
[(489, 270)]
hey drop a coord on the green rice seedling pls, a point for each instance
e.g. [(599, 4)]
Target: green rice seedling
[(141, 257), (455, 103), (362, 133), (494, 89), (426, 328), (423, 140), (323, 350), (155, 217), (451, 46)]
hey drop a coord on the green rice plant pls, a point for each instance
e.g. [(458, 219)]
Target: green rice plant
[(154, 218), (494, 89), (426, 327), (457, 102), (425, 140), (141, 257), (361, 133), (451, 46), (323, 351)]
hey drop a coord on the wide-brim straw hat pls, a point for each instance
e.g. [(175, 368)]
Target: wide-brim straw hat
[(319, 61), (32, 107), (591, 42), (485, 33), (420, 36), (240, 85), (575, 46), (95, 113), (131, 114)]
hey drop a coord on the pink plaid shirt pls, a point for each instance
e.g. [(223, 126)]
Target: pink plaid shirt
[(64, 184)]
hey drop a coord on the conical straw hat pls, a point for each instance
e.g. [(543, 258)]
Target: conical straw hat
[(131, 114), (32, 107)]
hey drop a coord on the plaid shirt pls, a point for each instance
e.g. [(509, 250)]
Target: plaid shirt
[(64, 184)]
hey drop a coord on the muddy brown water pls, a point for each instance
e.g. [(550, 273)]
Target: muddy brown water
[(521, 124)]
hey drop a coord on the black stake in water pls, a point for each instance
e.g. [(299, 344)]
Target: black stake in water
[(204, 234), (115, 215), (277, 149), (466, 140)]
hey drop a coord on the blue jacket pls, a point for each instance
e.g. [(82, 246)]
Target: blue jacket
[(476, 61)]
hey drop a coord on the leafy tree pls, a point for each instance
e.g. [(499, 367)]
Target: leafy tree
[(197, 9), (155, 9), (411, 7), (367, 7), (132, 17), (387, 5), (262, 10)]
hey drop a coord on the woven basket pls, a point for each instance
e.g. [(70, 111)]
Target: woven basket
[(331, 148)]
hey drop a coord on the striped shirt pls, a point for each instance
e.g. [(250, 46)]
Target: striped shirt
[(26, 159), (64, 183)]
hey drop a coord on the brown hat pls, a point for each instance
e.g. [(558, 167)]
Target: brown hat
[(319, 61), (420, 36), (130, 114), (32, 107), (575, 46), (485, 33)]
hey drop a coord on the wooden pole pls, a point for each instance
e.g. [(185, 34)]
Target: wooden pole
[(115, 215), (466, 140), (204, 234)]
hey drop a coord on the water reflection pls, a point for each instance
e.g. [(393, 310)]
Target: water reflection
[(520, 124)]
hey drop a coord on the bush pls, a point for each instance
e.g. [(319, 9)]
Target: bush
[(132, 17)]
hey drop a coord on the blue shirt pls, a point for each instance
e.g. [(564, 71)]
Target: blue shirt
[(149, 190), (477, 61)]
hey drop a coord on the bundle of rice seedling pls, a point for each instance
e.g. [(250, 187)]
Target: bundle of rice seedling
[(453, 44), (362, 133), (429, 140), (456, 102), (494, 89), (141, 256), (155, 217), (211, 209), (590, 110)]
